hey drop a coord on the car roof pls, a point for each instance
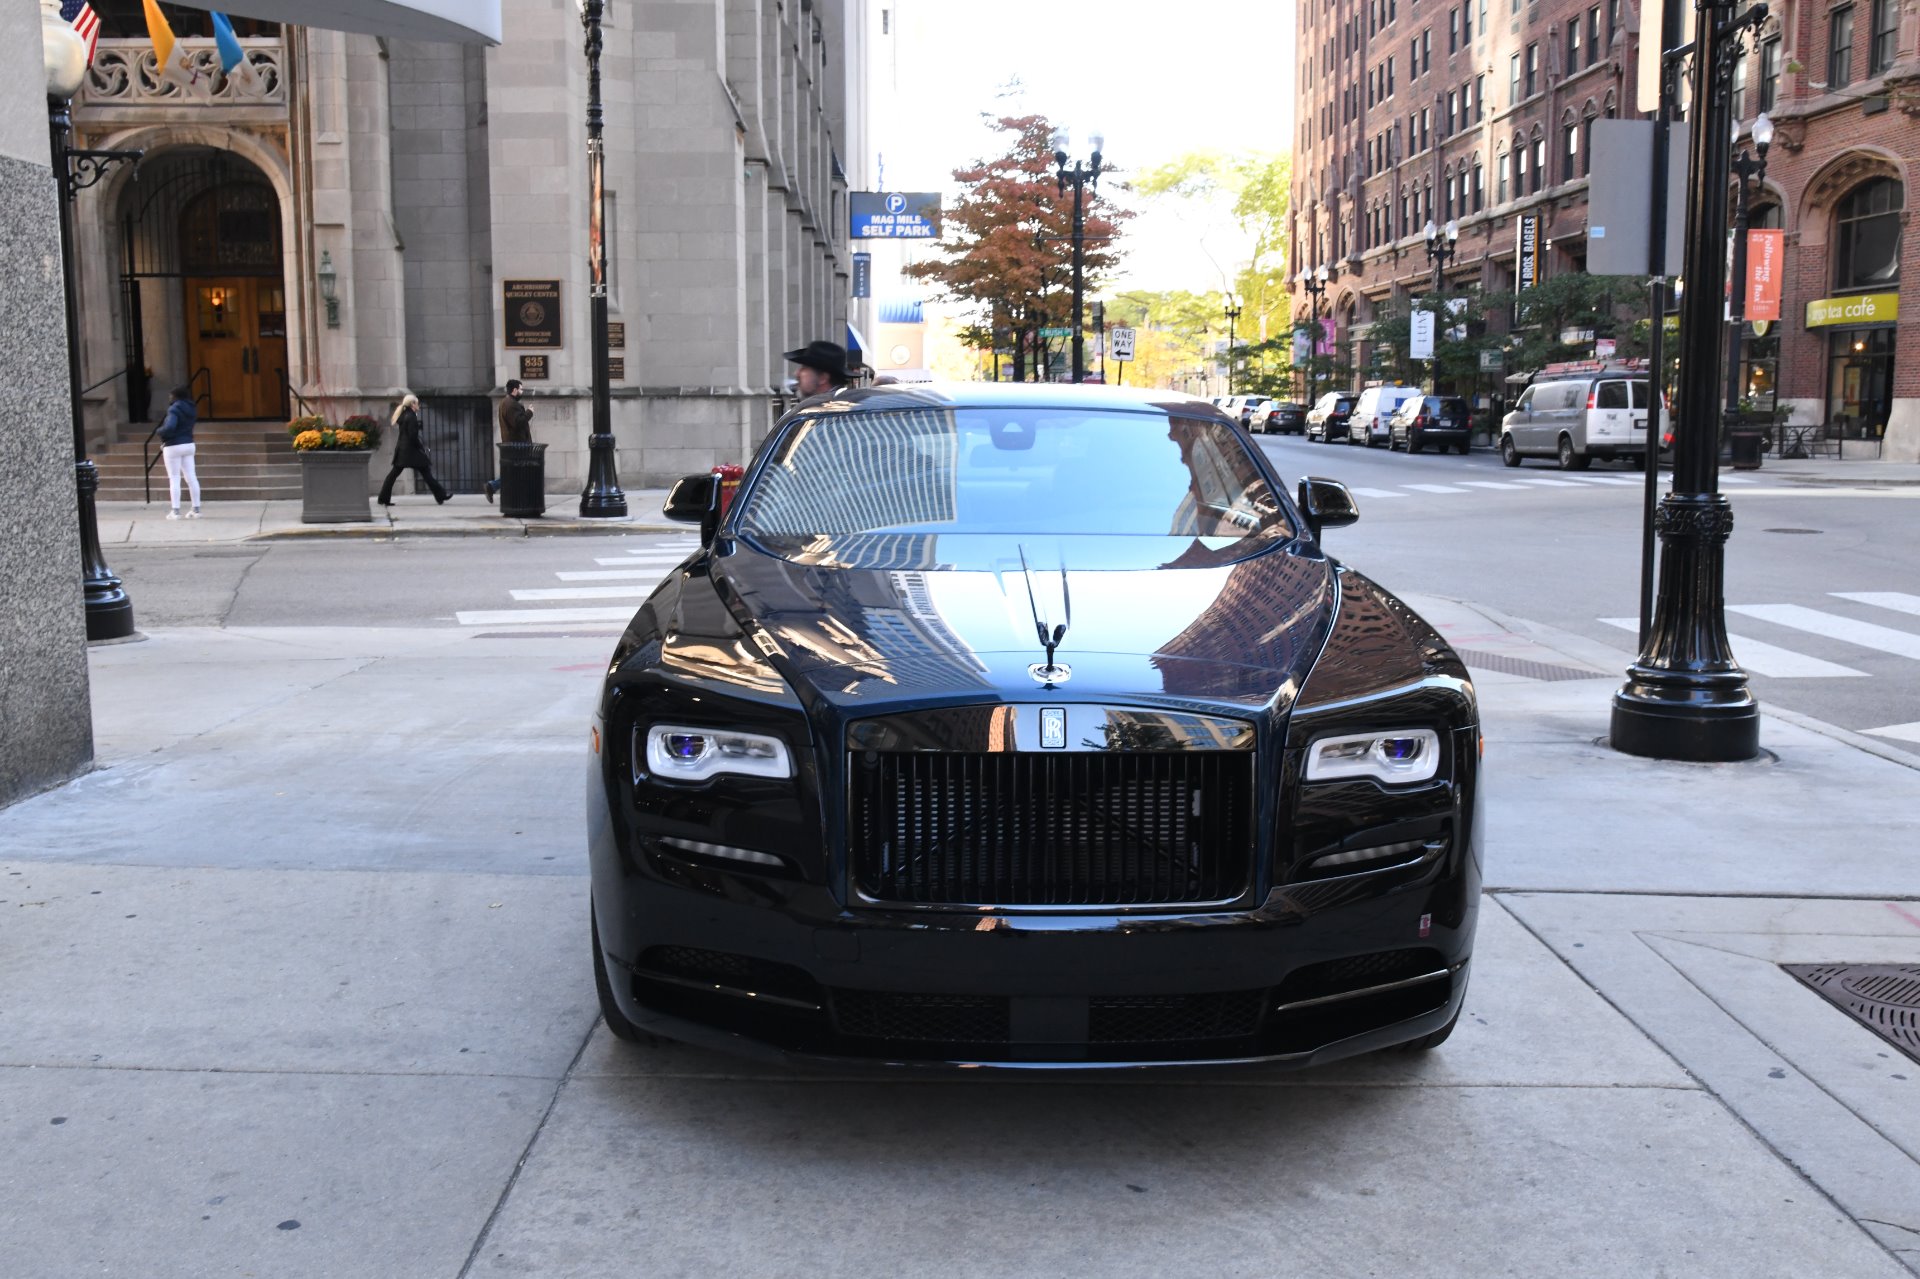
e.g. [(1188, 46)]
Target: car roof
[(1061, 395)]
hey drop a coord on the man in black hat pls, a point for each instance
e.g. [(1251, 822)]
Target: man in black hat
[(823, 368)]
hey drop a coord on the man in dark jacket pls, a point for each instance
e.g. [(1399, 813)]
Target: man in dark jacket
[(516, 424), (823, 368), (176, 449)]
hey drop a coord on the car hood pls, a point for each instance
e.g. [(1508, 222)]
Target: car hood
[(1164, 620)]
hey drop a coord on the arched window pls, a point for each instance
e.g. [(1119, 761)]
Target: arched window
[(1866, 239), (1500, 178), (1479, 187)]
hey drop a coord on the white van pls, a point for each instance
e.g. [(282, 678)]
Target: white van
[(1372, 420), (1578, 417)]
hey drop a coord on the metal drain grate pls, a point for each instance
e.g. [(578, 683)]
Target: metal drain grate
[(1521, 666), (1885, 998)]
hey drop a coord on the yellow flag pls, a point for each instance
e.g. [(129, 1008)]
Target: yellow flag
[(171, 61)]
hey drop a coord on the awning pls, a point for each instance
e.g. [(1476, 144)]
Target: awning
[(458, 21), (854, 341)]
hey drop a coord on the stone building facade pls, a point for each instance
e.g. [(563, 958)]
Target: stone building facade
[(438, 193), (1481, 111)]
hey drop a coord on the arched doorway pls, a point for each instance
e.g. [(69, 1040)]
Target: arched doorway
[(204, 298)]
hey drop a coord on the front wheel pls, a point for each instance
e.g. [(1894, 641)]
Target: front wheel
[(1509, 455), (1569, 460)]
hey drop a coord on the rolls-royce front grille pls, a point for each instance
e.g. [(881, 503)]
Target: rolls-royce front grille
[(1032, 829)]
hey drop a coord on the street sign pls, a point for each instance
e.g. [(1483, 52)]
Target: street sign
[(1420, 340), (1056, 333), (1492, 361), (894, 215), (863, 275), (1122, 340)]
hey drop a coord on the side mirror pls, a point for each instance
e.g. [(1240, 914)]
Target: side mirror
[(695, 499), (1326, 504)]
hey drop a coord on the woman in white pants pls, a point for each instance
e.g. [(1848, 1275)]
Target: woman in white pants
[(176, 449)]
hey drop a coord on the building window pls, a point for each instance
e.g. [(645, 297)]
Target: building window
[(1886, 36), (1513, 80), (1500, 178), (1613, 19), (1448, 189), (1737, 97), (1426, 50), (1840, 48), (1539, 162), (1451, 122), (1482, 26), (1520, 169), (1859, 382), (1389, 77), (1479, 190), (1586, 147), (1573, 45), (1426, 114), (1867, 237), (1403, 214), (1593, 35), (1569, 152), (1769, 73), (1533, 69), (1453, 31), (1479, 98)]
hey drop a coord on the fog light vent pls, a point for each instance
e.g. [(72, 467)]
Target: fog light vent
[(1380, 856)]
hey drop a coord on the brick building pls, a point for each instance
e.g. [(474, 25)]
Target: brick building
[(1480, 111)]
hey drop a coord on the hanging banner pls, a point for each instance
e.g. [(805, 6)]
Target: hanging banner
[(1764, 250), (1420, 339), (1526, 266)]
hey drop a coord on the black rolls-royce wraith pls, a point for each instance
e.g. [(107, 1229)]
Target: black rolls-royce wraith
[(1029, 726)]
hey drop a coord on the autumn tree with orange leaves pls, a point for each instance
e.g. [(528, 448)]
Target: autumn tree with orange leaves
[(1008, 244)]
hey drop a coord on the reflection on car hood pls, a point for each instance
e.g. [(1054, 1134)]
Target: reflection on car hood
[(1236, 627)]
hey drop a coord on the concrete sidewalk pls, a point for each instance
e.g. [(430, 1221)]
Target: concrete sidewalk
[(296, 984), (466, 515)]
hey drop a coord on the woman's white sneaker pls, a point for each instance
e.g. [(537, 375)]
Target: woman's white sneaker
[(173, 515), (194, 514)]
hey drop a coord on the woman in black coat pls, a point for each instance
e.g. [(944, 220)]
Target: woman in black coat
[(410, 452)]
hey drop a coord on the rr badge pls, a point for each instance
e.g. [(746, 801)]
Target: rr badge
[(1053, 728)]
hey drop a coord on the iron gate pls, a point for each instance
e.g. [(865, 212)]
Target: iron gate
[(458, 431)]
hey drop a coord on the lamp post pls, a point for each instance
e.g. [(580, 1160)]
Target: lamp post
[(1315, 285), (602, 498), (1685, 697), (329, 281), (1748, 167), (1442, 244), (1081, 176), (1233, 314), (109, 609)]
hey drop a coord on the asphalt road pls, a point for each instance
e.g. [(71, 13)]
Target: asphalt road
[(1531, 543)]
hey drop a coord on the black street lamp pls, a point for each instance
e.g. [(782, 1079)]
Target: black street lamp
[(602, 498), (1315, 284), (1232, 314), (1081, 176), (109, 608), (1685, 696), (1748, 167), (1442, 244)]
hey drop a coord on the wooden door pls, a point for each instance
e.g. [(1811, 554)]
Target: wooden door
[(237, 332)]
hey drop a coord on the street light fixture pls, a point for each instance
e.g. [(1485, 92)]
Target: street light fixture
[(1233, 314), (602, 498), (329, 282), (1441, 246), (1081, 176), (1748, 167), (1685, 696), (109, 608), (1315, 285)]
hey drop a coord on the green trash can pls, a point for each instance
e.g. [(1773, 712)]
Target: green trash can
[(523, 480)]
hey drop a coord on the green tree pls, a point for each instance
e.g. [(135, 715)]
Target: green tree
[(1008, 243)]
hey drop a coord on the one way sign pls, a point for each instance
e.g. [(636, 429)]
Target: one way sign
[(1122, 342)]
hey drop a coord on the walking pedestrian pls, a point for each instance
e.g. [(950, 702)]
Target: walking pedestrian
[(516, 425), (410, 452), (176, 449), (823, 368)]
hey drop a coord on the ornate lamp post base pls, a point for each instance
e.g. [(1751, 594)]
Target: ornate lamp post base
[(109, 608), (1686, 698), (603, 498)]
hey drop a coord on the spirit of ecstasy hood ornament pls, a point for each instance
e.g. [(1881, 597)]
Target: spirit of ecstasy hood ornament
[(1047, 673)]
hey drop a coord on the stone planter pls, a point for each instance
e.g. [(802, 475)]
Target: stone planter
[(333, 486)]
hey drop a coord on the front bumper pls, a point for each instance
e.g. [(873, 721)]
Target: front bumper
[(779, 968)]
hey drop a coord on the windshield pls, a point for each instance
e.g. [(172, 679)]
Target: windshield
[(1012, 471)]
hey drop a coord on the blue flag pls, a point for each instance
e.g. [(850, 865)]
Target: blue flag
[(231, 55)]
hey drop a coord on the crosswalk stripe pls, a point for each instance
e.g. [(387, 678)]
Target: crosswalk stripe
[(1899, 732), (1558, 484), (1737, 479), (1898, 601), (1362, 492), (1765, 659), (612, 575), (629, 561), (1606, 479), (1434, 488), (508, 616), (1833, 626), (1492, 484), (662, 553), (633, 592)]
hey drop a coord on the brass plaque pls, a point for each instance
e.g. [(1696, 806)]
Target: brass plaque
[(616, 367), (532, 312), (617, 335), (533, 368)]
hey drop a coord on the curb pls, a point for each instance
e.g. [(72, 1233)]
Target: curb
[(387, 532)]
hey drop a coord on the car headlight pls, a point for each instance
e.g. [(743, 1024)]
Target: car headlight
[(695, 754), (1396, 757)]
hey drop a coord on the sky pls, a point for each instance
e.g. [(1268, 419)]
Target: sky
[(1157, 79)]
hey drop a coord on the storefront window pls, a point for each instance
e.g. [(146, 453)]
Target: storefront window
[(1859, 383), (1867, 237)]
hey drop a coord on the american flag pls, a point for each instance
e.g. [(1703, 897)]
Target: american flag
[(84, 20)]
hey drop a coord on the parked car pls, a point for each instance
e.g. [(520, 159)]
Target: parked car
[(841, 807), (1280, 417), (1578, 416), (1327, 419), (1373, 413), (1251, 405), (1441, 420)]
